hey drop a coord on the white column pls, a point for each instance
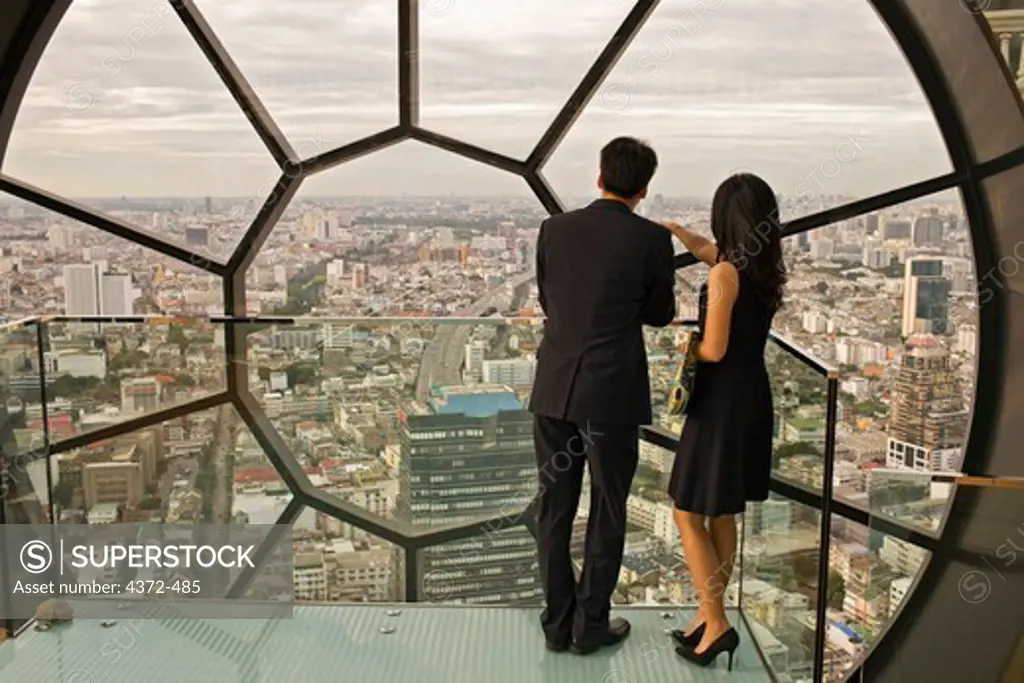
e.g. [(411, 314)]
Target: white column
[(1004, 46)]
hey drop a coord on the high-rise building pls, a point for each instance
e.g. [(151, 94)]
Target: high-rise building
[(335, 272), (82, 289), (88, 290), (116, 294), (928, 421), (474, 361), (517, 372), (871, 224), (197, 236), (896, 229), (928, 231), (468, 454), (925, 297), (359, 275)]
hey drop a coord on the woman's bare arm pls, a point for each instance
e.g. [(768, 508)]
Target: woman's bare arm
[(704, 249), (723, 289)]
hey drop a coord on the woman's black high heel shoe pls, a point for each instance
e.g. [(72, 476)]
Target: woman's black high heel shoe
[(690, 640), (727, 642)]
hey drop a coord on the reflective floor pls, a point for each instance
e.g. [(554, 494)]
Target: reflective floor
[(346, 643)]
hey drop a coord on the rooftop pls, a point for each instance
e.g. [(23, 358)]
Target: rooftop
[(475, 401)]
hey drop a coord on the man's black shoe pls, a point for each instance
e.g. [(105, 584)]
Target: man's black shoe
[(556, 646), (618, 629)]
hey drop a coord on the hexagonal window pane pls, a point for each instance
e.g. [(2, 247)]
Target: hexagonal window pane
[(100, 374), (418, 420), (327, 74), (697, 84), (125, 115), (489, 75), (409, 229)]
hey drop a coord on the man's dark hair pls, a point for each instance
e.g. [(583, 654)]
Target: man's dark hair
[(627, 166)]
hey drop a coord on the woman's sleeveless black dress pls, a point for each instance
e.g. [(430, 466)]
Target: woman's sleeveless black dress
[(724, 455)]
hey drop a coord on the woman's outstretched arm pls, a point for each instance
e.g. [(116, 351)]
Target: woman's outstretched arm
[(701, 247)]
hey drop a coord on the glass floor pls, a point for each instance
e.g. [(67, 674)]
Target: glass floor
[(429, 644)]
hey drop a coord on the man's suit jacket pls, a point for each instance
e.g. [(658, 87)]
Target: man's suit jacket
[(602, 272)]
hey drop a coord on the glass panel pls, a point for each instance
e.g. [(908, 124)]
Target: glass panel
[(821, 132), (800, 401), (408, 230), (870, 576), (327, 75), (781, 555), (125, 114), (496, 566), (90, 272), (338, 562), (99, 374), (488, 63), (892, 300), (654, 567), (178, 471), (414, 419)]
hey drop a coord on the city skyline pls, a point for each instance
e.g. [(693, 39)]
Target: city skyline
[(142, 114)]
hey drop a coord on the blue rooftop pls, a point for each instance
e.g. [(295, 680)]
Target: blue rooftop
[(456, 400)]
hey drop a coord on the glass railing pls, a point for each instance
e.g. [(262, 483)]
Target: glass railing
[(400, 451)]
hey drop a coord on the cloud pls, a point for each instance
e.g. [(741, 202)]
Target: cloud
[(773, 86)]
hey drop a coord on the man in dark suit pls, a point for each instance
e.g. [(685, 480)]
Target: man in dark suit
[(603, 272)]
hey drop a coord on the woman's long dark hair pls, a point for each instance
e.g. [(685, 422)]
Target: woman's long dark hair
[(745, 223)]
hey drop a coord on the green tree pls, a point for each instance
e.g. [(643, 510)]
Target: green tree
[(836, 590), (301, 373), (68, 386), (150, 503), (821, 287), (791, 448), (176, 337), (63, 493)]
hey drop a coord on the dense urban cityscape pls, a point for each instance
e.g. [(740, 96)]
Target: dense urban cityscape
[(411, 418), (389, 338)]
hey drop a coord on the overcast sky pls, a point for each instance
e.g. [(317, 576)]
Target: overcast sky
[(123, 102)]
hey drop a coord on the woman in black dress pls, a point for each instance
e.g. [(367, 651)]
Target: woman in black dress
[(725, 451)]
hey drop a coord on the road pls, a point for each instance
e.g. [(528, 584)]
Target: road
[(442, 358), (223, 444)]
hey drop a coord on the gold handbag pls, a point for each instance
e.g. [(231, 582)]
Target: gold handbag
[(682, 387)]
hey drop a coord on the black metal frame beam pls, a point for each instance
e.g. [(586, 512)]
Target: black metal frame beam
[(585, 91), (19, 61), (545, 194), (469, 151), (408, 64), (264, 125), (107, 224), (353, 150)]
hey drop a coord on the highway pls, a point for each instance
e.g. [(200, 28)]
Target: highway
[(442, 358)]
